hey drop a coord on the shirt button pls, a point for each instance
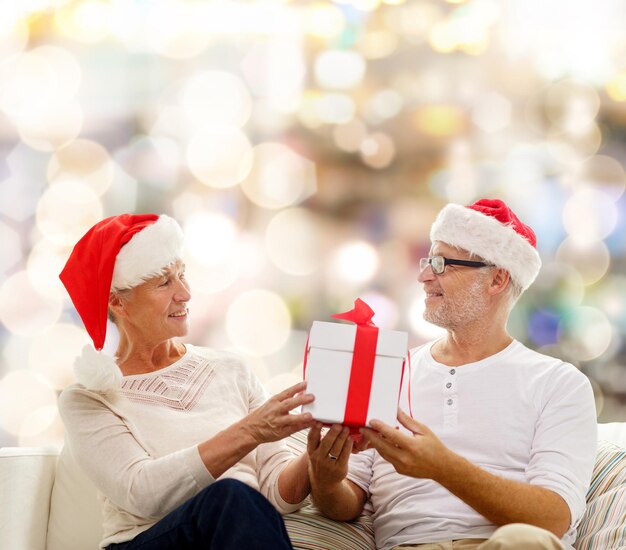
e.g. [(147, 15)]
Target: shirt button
[(449, 385), (452, 371), (450, 401)]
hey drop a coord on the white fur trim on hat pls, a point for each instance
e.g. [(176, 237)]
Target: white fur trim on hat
[(97, 371), (148, 253), (486, 237)]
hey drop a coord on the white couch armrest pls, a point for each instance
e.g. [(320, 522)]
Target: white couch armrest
[(615, 432), (26, 479)]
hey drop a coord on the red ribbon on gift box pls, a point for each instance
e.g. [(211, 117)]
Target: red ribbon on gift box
[(363, 359)]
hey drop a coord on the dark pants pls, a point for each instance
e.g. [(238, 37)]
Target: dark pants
[(226, 515)]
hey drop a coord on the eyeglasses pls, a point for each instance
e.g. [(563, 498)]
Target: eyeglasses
[(438, 264)]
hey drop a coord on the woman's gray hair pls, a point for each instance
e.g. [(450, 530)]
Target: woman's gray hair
[(120, 292)]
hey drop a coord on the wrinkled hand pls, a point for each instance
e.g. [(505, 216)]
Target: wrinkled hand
[(420, 455), (323, 469), (272, 421)]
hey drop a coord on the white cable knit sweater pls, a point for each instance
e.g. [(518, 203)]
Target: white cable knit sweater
[(139, 444)]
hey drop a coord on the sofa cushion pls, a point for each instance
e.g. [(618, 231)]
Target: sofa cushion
[(75, 521), (603, 526), (310, 530)]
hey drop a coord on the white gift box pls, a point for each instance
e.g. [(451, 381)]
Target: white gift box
[(329, 365)]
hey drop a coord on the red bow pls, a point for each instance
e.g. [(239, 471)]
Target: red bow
[(360, 314)]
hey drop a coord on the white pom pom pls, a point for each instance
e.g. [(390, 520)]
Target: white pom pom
[(97, 371)]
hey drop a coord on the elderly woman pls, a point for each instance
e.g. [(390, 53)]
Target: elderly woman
[(180, 440)]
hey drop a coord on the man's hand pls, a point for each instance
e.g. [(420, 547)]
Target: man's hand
[(420, 455), (500, 500)]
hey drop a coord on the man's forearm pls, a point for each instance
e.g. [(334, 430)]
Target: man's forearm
[(504, 501), (342, 502)]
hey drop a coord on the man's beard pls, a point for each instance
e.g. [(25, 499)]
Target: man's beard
[(469, 304)]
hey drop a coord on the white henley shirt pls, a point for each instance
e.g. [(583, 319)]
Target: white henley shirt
[(517, 414)]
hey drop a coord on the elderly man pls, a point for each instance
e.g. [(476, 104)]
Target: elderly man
[(500, 449)]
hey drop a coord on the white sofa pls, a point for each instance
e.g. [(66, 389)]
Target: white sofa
[(46, 503)]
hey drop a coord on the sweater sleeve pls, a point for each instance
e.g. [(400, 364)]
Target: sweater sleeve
[(271, 458), (118, 464)]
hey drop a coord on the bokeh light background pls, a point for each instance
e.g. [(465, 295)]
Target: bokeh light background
[(305, 148)]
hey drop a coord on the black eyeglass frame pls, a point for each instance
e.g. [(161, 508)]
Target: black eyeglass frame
[(448, 261)]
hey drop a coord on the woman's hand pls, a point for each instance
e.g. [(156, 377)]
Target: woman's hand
[(328, 455), (272, 421), (332, 493)]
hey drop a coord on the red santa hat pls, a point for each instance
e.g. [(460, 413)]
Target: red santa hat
[(491, 230), (117, 253)]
